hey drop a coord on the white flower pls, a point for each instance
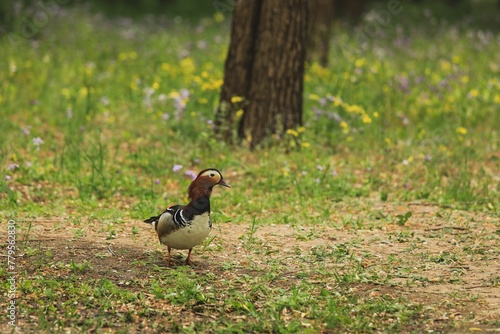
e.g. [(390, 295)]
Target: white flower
[(37, 141)]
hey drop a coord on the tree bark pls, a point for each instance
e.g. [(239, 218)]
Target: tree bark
[(265, 65), (320, 26), (239, 64)]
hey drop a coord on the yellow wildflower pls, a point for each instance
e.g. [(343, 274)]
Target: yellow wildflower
[(84, 91), (337, 101), (359, 62), (435, 78), (236, 99), (314, 97), (203, 100), (187, 65), (66, 92), (375, 68), (305, 144), (239, 113), (354, 109), (376, 114), (197, 79), (461, 130), (218, 17), (292, 132), (366, 119), (166, 67), (445, 65), (496, 99), (456, 59), (122, 56), (156, 85), (473, 93), (133, 84), (208, 66), (301, 129)]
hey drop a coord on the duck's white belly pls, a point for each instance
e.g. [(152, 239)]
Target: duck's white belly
[(191, 235)]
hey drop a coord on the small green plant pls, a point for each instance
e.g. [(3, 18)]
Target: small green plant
[(82, 267), (403, 219)]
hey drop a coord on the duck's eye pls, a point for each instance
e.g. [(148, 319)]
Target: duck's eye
[(212, 174)]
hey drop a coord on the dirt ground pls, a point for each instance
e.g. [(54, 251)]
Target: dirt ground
[(450, 264)]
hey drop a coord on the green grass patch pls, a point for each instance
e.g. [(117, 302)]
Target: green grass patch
[(97, 110)]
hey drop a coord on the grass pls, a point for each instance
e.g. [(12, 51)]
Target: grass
[(354, 222)]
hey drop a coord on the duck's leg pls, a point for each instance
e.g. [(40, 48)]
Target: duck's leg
[(169, 257), (188, 261)]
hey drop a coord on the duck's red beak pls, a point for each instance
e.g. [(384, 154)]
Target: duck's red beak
[(223, 183)]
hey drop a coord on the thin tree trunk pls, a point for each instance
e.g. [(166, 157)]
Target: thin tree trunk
[(320, 25)]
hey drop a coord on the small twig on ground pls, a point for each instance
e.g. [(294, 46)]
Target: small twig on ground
[(478, 286), (445, 227), (428, 204), (110, 249)]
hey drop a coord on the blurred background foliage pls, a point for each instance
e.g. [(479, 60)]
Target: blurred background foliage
[(480, 12)]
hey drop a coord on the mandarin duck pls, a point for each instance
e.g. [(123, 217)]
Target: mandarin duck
[(186, 226)]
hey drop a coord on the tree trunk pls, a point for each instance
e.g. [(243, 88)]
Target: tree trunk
[(239, 64), (320, 26), (265, 66)]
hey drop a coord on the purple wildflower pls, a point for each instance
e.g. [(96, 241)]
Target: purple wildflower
[(13, 166), (318, 112), (177, 168), (37, 141), (104, 101), (184, 92), (191, 174), (202, 45), (211, 124)]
